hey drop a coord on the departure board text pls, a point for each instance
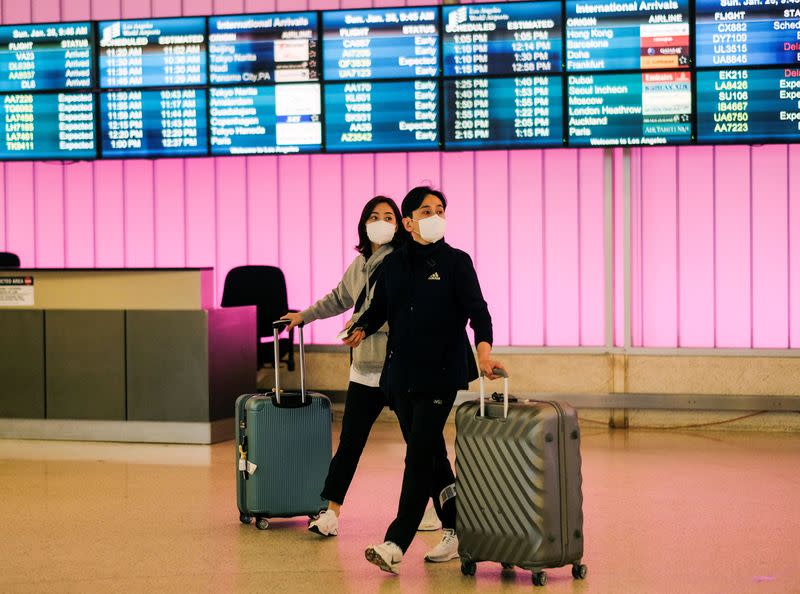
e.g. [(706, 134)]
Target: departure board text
[(503, 112), (508, 38), (163, 123), (402, 115), (647, 108), (627, 35), (47, 126), (381, 43), (268, 48), (46, 57), (152, 53)]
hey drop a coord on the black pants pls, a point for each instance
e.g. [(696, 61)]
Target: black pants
[(427, 471), (361, 409)]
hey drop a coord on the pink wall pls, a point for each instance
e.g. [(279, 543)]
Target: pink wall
[(716, 236), (714, 228)]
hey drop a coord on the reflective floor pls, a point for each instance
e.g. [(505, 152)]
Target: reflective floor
[(665, 512)]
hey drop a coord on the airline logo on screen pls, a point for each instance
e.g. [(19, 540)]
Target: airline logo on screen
[(111, 32), (457, 17)]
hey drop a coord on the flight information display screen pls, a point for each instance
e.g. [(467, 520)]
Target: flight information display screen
[(627, 35), (253, 120), (47, 126), (57, 56), (748, 105), (152, 53), (266, 48), (168, 123), (507, 38), (382, 116), (381, 43), (747, 32), (503, 112), (648, 108)]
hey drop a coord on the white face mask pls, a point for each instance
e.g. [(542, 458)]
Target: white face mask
[(380, 232), (432, 228)]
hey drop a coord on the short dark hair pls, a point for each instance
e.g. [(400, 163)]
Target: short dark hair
[(416, 196), (364, 246)]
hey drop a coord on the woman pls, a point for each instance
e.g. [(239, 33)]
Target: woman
[(378, 235), (427, 291)]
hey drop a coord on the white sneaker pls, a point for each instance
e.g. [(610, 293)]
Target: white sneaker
[(387, 556), (325, 524), (446, 550), (430, 521)]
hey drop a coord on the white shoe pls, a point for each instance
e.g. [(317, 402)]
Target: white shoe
[(387, 556), (446, 550), (430, 521), (325, 524)]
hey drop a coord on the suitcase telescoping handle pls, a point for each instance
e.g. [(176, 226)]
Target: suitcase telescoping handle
[(277, 328), (504, 374)]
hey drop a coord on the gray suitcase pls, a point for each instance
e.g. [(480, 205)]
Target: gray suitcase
[(518, 485), (283, 442)]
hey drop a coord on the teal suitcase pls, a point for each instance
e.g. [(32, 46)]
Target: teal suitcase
[(283, 451)]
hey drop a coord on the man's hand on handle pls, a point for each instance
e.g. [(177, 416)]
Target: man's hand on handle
[(486, 364)]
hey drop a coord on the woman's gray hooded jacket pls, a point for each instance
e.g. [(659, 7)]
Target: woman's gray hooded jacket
[(370, 355)]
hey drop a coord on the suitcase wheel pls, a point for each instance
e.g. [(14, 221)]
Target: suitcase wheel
[(244, 518), (469, 567), (539, 578), (507, 565), (262, 523), (579, 571)]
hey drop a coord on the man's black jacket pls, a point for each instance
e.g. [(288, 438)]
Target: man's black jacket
[(427, 294)]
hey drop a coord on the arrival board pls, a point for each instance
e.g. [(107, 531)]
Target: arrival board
[(152, 53), (627, 35), (503, 112), (47, 126), (265, 48), (381, 43), (252, 120), (648, 108), (167, 123), (56, 56), (746, 106), (382, 116), (747, 32), (507, 38)]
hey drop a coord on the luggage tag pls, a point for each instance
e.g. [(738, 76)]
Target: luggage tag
[(242, 465), (251, 468)]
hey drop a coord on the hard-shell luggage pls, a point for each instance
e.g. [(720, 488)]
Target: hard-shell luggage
[(518, 485), (283, 442)]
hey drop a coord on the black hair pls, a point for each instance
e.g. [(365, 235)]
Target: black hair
[(416, 196), (364, 246)]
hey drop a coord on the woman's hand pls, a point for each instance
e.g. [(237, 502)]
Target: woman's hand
[(295, 319), (355, 339)]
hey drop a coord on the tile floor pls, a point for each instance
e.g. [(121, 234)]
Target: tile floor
[(665, 512)]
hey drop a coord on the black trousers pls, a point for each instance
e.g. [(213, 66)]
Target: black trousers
[(427, 469), (361, 409)]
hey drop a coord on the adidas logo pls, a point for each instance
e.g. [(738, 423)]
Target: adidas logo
[(435, 276)]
